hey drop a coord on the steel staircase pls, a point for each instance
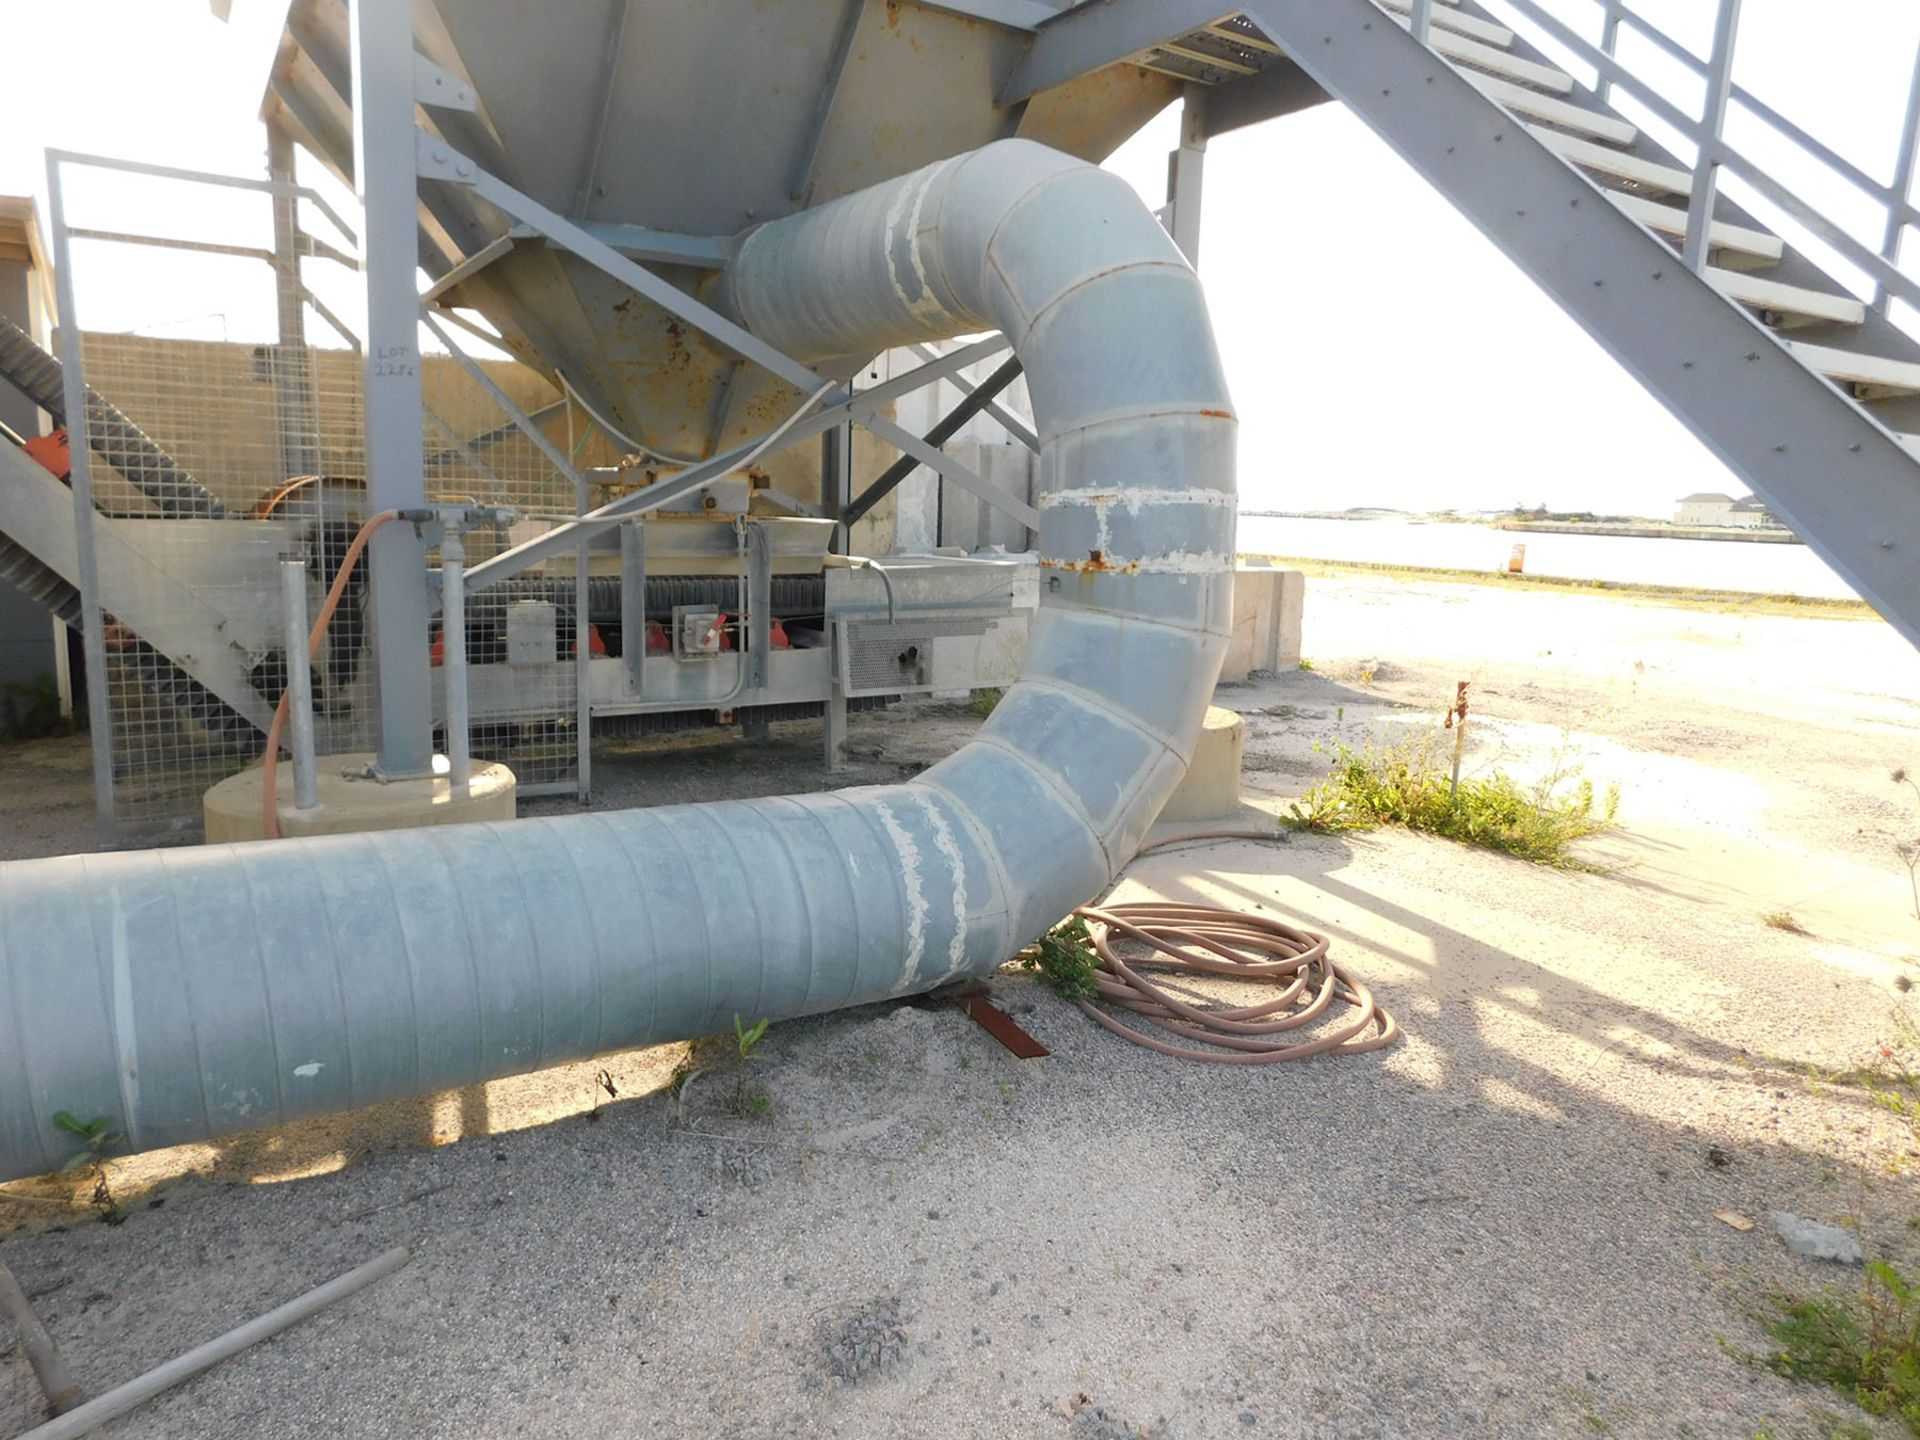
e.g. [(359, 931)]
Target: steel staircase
[(39, 552), (1807, 392)]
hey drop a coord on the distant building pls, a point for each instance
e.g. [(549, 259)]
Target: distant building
[(1709, 508)]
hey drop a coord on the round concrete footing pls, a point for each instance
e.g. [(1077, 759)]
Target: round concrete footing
[(1212, 786), (349, 801)]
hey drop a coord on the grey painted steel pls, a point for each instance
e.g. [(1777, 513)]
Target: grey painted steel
[(453, 656), (187, 994), (1007, 420), (86, 574), (293, 600), (1838, 478), (383, 103), (971, 404), (1724, 154), (1092, 37), (1186, 169), (662, 492), (1713, 124), (1283, 88), (1894, 235), (292, 361)]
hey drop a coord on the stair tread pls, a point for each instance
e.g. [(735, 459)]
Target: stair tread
[(1668, 179), (1565, 114), (1672, 220), (1488, 57), (1861, 369), (1471, 26), (1792, 299)]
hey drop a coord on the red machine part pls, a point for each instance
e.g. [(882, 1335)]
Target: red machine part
[(52, 453)]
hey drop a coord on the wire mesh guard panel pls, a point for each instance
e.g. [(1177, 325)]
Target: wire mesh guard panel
[(522, 647), (220, 441), (213, 449)]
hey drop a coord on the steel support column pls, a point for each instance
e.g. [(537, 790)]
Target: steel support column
[(381, 41), (292, 362), (1185, 169)]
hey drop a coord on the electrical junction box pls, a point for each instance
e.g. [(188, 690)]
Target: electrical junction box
[(533, 632), (697, 632)]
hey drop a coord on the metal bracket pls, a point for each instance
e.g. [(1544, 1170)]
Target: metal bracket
[(439, 88), (434, 159)]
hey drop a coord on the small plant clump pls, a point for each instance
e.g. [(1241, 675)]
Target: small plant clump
[(1867, 1347), (982, 702), (1404, 785), (747, 1037), (1783, 920), (1065, 959), (96, 1140)]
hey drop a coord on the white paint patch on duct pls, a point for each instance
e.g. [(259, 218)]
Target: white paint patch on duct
[(188, 994)]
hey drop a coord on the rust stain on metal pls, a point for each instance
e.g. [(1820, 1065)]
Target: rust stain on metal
[(1096, 563), (1218, 414)]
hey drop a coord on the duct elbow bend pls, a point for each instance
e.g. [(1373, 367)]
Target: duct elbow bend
[(189, 994), (1137, 453)]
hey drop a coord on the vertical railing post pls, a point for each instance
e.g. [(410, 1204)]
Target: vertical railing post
[(1609, 45), (80, 481), (1713, 120), (385, 173), (1420, 20), (293, 606), (453, 657), (292, 362), (1895, 235)]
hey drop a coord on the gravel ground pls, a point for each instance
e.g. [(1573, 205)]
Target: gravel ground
[(1504, 1226)]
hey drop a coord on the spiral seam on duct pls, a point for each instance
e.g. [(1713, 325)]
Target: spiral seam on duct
[(190, 994)]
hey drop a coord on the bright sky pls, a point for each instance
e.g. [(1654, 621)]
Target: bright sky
[(1381, 351)]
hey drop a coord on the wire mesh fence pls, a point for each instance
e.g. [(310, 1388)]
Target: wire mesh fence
[(217, 442)]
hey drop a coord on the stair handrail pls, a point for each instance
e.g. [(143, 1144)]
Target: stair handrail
[(1890, 282)]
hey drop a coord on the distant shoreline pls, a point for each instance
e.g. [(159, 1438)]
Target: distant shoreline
[(1689, 597), (1653, 531), (1634, 529)]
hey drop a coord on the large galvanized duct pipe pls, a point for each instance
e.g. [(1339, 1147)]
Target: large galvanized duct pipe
[(186, 994)]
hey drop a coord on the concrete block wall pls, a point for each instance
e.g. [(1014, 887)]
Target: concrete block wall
[(1267, 609)]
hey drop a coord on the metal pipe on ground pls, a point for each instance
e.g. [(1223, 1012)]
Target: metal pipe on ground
[(85, 1419), (49, 1368), (190, 994)]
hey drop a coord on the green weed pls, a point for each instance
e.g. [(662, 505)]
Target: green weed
[(749, 1036), (1406, 785), (981, 702), (1065, 960), (96, 1141), (1867, 1347)]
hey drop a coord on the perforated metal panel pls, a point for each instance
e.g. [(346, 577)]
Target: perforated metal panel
[(894, 658)]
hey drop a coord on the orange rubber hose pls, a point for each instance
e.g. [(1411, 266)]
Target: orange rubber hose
[(269, 765)]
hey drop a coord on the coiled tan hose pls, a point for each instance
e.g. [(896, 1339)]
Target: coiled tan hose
[(1207, 940)]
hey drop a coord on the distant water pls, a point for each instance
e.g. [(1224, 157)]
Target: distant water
[(1704, 564)]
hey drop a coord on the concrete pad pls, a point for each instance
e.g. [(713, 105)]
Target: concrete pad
[(1212, 786), (349, 801)]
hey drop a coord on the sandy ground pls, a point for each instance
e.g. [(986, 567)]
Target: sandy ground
[(1504, 1226)]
